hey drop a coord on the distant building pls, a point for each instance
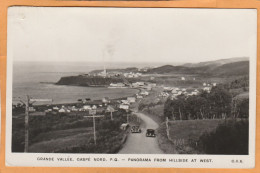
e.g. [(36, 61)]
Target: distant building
[(31, 109), (182, 78), (131, 99), (139, 97), (55, 108), (167, 89), (94, 107), (105, 100), (62, 110), (117, 85), (110, 109), (127, 102), (87, 107), (144, 93), (207, 89), (124, 106)]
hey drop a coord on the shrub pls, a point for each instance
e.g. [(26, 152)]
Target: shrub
[(230, 137)]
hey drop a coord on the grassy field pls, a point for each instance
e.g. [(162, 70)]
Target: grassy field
[(184, 135), (63, 133), (56, 140)]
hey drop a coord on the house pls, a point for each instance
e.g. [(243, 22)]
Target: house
[(164, 94), (55, 108), (193, 93), (124, 106), (151, 84), (62, 110), (117, 85), (144, 93), (182, 78), (204, 84), (167, 89), (113, 85), (87, 107), (110, 109), (179, 93), (126, 102), (174, 91), (73, 108), (105, 100), (140, 83), (214, 84), (139, 97), (94, 107), (131, 99), (207, 89), (31, 109)]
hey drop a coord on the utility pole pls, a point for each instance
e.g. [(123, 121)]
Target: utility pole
[(111, 110), (26, 119), (127, 118), (93, 113)]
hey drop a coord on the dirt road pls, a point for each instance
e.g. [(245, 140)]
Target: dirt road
[(138, 143)]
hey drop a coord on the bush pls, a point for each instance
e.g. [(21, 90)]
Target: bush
[(230, 137)]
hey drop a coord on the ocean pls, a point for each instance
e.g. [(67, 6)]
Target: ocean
[(37, 79)]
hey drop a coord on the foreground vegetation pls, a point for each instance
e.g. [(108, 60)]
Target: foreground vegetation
[(63, 133)]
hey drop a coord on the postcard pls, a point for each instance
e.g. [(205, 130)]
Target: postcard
[(131, 87)]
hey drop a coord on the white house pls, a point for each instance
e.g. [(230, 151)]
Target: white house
[(131, 99), (214, 84), (139, 97), (62, 110), (179, 93), (126, 102), (55, 108), (105, 100), (145, 93), (117, 85), (174, 91), (167, 88), (204, 84), (123, 106), (194, 93), (207, 89), (182, 78), (86, 107), (94, 107)]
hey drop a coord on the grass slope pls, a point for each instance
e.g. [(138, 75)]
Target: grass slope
[(185, 134)]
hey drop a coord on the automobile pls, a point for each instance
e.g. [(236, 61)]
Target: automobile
[(124, 126), (150, 133), (135, 129)]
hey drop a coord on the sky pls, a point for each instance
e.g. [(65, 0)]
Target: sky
[(91, 34)]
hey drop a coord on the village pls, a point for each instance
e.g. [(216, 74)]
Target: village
[(87, 105)]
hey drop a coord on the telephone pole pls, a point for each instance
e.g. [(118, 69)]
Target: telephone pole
[(93, 113), (26, 119)]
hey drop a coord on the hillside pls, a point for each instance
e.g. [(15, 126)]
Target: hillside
[(178, 69), (229, 69), (216, 62)]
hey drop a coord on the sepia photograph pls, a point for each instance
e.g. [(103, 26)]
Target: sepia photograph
[(144, 87)]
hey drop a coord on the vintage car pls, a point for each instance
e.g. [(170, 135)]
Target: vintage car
[(150, 133), (135, 129)]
